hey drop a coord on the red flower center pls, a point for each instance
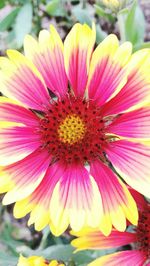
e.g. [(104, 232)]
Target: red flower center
[(73, 130), (143, 232)]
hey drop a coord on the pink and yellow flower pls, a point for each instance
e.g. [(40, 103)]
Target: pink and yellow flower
[(139, 255), (37, 261), (56, 153)]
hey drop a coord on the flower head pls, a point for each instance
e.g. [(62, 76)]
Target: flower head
[(139, 238), (116, 5), (112, 4), (36, 260), (57, 148)]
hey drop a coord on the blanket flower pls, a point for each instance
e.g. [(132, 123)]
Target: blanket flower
[(72, 121)]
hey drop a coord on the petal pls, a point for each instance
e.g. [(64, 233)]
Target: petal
[(38, 202), (96, 240), (47, 56), (21, 81), (124, 258), (10, 111), (135, 124), (136, 92), (105, 75), (77, 201), (132, 162), (139, 199), (31, 261), (21, 179), (17, 142), (117, 201), (78, 48)]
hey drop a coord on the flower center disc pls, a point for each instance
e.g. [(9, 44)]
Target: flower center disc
[(143, 232), (72, 129)]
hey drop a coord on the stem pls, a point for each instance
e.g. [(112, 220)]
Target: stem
[(44, 239), (122, 30), (83, 4), (35, 4)]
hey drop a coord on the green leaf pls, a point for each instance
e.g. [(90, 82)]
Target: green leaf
[(83, 257), (58, 252), (10, 40), (8, 21), (141, 46), (65, 253), (132, 24), (135, 24), (81, 15), (100, 11), (52, 7), (122, 16), (2, 3), (8, 241), (100, 34), (23, 23), (103, 14), (55, 8), (6, 260)]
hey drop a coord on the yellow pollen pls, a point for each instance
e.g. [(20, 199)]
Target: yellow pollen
[(72, 129)]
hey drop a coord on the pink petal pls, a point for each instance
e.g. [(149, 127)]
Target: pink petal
[(140, 201), (21, 81), (11, 112), (16, 143), (132, 162), (135, 124), (96, 240), (77, 200), (25, 175), (135, 93), (118, 203), (47, 55), (38, 202), (106, 75), (124, 258), (78, 48)]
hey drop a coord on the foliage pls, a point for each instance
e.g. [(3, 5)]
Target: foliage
[(17, 239), (23, 17)]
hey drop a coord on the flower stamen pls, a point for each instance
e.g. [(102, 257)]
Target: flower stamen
[(72, 129)]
